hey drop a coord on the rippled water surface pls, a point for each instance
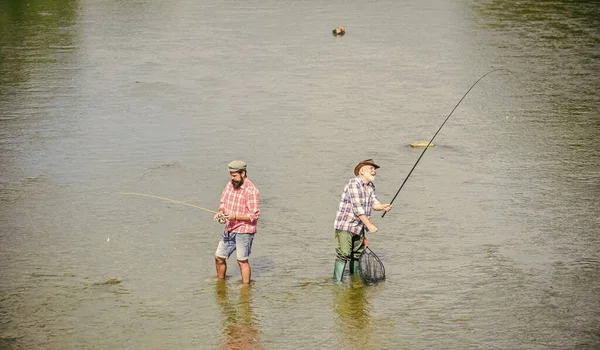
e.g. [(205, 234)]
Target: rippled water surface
[(493, 243)]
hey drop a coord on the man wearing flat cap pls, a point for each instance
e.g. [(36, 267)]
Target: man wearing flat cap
[(240, 209), (352, 219)]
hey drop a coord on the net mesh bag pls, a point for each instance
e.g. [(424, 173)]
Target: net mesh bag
[(370, 268)]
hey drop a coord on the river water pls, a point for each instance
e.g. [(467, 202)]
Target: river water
[(493, 243)]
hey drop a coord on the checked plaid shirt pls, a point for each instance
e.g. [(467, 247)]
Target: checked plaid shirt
[(357, 199), (244, 201)]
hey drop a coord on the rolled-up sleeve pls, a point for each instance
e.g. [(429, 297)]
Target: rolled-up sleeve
[(253, 205), (374, 198)]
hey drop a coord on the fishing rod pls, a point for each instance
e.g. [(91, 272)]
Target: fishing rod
[(171, 200), (448, 117)]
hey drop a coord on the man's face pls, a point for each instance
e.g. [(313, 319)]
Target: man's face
[(369, 172), (237, 180)]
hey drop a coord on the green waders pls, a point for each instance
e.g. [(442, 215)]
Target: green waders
[(338, 271), (340, 265)]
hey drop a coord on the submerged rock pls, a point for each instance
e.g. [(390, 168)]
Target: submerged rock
[(112, 281), (421, 144), (9, 337)]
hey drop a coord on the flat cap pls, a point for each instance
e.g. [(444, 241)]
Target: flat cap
[(237, 165)]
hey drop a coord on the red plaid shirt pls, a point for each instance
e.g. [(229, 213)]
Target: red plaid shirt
[(243, 201)]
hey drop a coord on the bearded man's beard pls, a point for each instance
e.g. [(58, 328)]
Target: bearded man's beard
[(370, 177), (237, 184)]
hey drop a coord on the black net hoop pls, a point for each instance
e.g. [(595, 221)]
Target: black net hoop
[(370, 267)]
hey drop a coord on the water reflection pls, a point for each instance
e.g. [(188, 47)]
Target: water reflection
[(36, 36), (354, 321), (240, 327), (560, 35), (38, 40)]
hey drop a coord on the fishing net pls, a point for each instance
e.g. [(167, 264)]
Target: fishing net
[(370, 268)]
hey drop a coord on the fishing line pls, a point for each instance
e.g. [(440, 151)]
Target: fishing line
[(426, 147), (170, 200)]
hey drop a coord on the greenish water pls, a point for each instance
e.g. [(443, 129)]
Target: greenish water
[(492, 243)]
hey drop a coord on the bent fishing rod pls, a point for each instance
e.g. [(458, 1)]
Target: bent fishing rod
[(448, 117)]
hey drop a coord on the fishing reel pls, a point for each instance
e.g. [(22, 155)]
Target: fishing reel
[(221, 219)]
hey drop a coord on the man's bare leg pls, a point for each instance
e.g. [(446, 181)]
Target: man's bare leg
[(221, 265), (245, 270)]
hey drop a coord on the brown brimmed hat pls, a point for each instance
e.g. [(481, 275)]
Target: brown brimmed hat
[(365, 162)]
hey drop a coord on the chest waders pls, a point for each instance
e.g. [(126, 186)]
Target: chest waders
[(340, 266)]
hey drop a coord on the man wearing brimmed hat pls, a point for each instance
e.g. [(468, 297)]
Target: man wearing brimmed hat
[(240, 209), (353, 217)]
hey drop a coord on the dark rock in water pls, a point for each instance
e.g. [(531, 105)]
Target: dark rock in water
[(339, 31), (112, 281)]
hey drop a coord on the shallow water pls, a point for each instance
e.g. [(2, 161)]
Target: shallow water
[(492, 242)]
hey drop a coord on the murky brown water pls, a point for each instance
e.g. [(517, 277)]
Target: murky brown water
[(492, 244)]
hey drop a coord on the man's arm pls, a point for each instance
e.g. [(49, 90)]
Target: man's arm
[(379, 207), (365, 220), (253, 208)]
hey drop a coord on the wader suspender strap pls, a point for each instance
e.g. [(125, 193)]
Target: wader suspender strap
[(353, 261)]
